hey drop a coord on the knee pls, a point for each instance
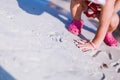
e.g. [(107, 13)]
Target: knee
[(114, 21)]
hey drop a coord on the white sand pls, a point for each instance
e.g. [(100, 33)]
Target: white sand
[(35, 44)]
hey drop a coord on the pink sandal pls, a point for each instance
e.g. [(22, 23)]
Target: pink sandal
[(76, 26), (110, 40)]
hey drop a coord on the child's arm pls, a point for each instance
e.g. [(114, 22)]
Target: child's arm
[(105, 18), (106, 14)]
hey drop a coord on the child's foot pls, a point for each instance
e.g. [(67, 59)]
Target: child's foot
[(75, 27), (110, 40)]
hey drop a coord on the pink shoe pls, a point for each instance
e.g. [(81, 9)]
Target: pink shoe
[(110, 40), (75, 26)]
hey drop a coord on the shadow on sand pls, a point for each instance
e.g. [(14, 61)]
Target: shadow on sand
[(37, 7), (5, 75)]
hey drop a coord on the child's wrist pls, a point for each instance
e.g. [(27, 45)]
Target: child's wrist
[(93, 45)]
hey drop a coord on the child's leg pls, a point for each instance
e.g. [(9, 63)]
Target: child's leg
[(76, 11), (114, 23), (115, 18), (109, 38)]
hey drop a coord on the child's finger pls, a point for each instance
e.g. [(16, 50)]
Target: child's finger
[(80, 45), (81, 41), (85, 47)]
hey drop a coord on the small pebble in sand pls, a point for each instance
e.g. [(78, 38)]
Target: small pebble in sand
[(96, 53), (115, 64), (118, 71), (109, 54), (103, 77), (105, 65)]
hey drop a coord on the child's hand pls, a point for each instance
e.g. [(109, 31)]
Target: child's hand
[(85, 45)]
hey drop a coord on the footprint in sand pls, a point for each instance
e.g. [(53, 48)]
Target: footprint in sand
[(55, 36), (116, 64)]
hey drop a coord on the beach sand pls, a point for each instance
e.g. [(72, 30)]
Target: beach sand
[(36, 45)]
